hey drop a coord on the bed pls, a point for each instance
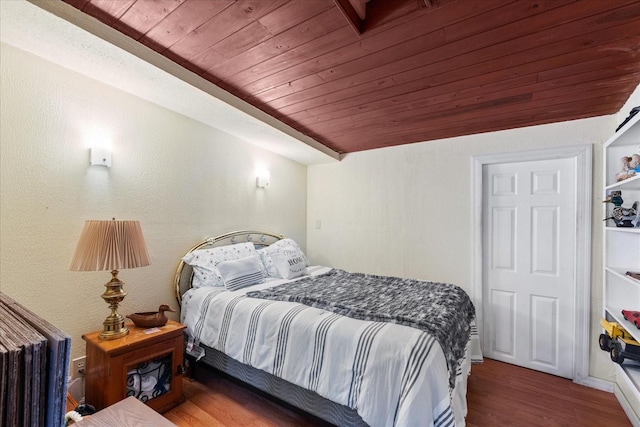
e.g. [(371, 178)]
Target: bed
[(257, 310)]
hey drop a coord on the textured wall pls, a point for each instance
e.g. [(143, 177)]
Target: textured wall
[(633, 101), (406, 210), (182, 180)]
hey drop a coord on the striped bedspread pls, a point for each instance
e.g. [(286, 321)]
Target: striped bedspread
[(392, 375), (440, 309)]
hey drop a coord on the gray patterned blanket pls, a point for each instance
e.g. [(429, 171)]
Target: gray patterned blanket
[(442, 310)]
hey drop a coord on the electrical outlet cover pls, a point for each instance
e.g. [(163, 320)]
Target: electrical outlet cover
[(77, 367)]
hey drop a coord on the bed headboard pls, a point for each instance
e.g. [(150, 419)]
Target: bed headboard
[(184, 273)]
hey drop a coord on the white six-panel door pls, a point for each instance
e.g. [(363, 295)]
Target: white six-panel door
[(529, 231)]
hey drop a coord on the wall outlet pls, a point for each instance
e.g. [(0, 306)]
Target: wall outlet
[(78, 367)]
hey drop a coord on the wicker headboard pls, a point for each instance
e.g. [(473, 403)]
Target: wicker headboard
[(184, 273)]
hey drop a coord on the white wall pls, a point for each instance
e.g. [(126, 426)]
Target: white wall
[(182, 180), (406, 210), (633, 101)]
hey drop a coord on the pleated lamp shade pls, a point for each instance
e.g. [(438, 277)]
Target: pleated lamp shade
[(110, 245)]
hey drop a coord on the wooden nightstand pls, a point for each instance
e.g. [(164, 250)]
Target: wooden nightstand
[(144, 364)]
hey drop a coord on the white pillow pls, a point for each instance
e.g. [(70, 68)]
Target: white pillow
[(204, 262), (286, 247), (241, 273), (289, 265)]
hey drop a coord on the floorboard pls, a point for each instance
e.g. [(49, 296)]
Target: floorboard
[(499, 394)]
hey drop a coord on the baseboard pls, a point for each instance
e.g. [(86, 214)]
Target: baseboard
[(596, 383), (626, 406)]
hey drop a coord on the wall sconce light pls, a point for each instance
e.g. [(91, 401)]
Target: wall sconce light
[(100, 157), (262, 180)]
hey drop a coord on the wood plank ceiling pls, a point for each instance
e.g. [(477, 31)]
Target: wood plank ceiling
[(357, 75)]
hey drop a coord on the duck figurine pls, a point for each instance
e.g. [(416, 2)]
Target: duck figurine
[(150, 319)]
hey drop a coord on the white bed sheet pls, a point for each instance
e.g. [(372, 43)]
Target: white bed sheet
[(391, 374)]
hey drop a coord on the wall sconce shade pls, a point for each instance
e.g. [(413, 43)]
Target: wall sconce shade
[(111, 245), (263, 178), (100, 157)]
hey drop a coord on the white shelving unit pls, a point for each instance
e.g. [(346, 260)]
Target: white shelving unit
[(621, 254)]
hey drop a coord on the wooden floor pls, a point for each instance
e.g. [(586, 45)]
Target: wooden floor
[(498, 395)]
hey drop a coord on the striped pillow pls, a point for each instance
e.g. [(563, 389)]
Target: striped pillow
[(205, 261), (240, 273)]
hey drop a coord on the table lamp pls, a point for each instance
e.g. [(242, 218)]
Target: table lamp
[(111, 245)]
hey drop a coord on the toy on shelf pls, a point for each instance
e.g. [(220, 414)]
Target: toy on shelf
[(633, 274), (629, 167), (622, 217), (632, 316), (618, 343), (633, 112)]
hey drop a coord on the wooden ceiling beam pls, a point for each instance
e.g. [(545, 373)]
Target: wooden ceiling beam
[(351, 15)]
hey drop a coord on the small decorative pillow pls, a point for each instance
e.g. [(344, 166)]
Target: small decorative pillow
[(241, 273), (204, 262), (289, 265), (287, 247)]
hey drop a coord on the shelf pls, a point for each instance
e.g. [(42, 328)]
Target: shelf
[(623, 137), (621, 251), (624, 229), (632, 370), (627, 184), (616, 313), (628, 389), (621, 272)]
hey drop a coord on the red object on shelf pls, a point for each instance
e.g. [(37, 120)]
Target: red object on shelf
[(632, 316)]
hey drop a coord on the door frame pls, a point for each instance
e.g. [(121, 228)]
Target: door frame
[(582, 156)]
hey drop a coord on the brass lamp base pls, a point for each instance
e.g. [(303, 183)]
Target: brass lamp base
[(114, 324)]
